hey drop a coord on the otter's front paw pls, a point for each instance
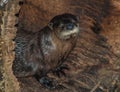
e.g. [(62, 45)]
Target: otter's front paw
[(48, 82), (60, 70)]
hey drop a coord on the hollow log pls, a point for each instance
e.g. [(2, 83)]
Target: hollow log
[(95, 62)]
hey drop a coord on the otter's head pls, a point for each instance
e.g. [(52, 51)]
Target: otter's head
[(66, 26)]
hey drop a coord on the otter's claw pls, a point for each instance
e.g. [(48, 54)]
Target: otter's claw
[(48, 83), (60, 70)]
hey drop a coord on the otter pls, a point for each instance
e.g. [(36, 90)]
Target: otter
[(38, 53)]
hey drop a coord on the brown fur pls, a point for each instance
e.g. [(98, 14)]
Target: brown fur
[(43, 51)]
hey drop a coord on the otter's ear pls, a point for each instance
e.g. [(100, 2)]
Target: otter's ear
[(50, 25)]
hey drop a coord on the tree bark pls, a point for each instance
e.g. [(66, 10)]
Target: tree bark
[(8, 31)]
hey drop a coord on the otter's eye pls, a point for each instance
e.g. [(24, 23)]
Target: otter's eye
[(70, 26)]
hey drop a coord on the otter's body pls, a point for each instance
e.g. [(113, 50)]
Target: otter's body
[(40, 53), (44, 51)]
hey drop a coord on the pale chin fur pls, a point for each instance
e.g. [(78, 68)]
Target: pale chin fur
[(67, 34)]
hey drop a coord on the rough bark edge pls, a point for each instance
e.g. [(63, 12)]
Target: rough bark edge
[(2, 86), (8, 32)]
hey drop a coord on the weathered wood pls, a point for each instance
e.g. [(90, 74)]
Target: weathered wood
[(8, 32)]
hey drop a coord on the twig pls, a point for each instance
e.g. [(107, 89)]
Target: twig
[(95, 87)]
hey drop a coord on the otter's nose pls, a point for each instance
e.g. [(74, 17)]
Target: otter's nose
[(70, 26)]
